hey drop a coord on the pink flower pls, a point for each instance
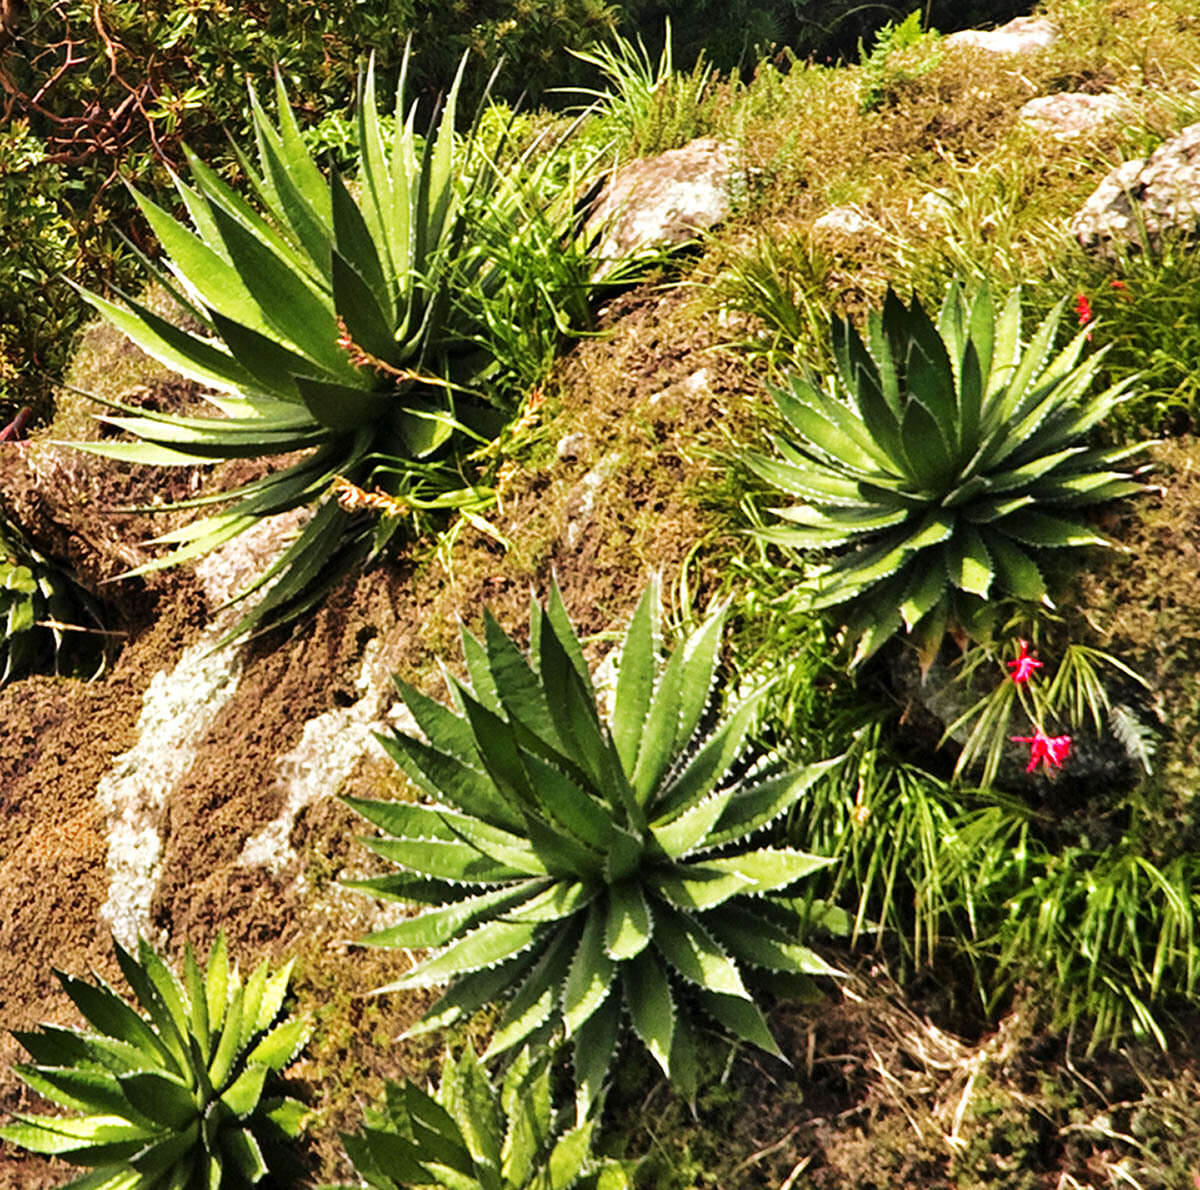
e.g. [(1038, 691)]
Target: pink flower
[(1023, 667), (1049, 749)]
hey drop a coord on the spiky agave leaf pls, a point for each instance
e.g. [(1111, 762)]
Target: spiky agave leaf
[(595, 872), (942, 462), (474, 1132), (44, 611), (171, 1096), (333, 323)]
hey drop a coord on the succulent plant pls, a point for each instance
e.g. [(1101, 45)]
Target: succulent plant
[(474, 1134), (941, 465), (588, 872), (344, 323), (172, 1098), (39, 605)]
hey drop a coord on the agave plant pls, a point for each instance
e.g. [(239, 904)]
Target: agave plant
[(172, 1098), (943, 462), (588, 871), (39, 604), (477, 1135), (343, 324)]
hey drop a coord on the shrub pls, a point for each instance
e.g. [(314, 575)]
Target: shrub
[(173, 1097), (584, 870), (38, 312), (476, 1133), (943, 461), (97, 95), (352, 327)]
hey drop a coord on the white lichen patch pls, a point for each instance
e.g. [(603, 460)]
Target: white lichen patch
[(178, 709), (329, 748)]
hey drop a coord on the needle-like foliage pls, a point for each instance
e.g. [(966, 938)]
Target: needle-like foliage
[(172, 1099), (591, 873), (945, 459)]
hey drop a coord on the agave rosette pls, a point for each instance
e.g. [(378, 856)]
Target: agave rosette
[(328, 325), (587, 872), (172, 1099), (479, 1134), (943, 463)]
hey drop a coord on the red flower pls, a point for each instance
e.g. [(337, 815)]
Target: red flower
[(1049, 749), (1024, 665), (1118, 285), (1083, 311)]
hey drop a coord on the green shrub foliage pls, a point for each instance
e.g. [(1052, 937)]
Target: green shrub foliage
[(474, 1133), (942, 462), (171, 1096), (589, 871)]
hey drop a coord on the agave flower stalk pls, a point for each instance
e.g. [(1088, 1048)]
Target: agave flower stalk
[(476, 1133), (590, 873), (942, 464), (169, 1099)]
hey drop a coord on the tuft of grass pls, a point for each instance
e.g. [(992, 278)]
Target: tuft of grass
[(1147, 306), (782, 284), (652, 106)]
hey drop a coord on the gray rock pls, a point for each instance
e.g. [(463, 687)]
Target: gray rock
[(570, 446), (1022, 35), (661, 202), (1071, 115), (1158, 194), (844, 221)]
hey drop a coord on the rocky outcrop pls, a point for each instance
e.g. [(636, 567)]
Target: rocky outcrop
[(1071, 115), (844, 221), (1142, 199), (1022, 35), (662, 201)]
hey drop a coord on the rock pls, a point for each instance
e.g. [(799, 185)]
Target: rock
[(695, 385), (1158, 194), (933, 208), (844, 221), (1022, 35), (1072, 114), (661, 202), (582, 502), (570, 446)]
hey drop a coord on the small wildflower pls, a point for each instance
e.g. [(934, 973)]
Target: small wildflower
[(1050, 750), (1118, 285), (1083, 311), (1024, 665)]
